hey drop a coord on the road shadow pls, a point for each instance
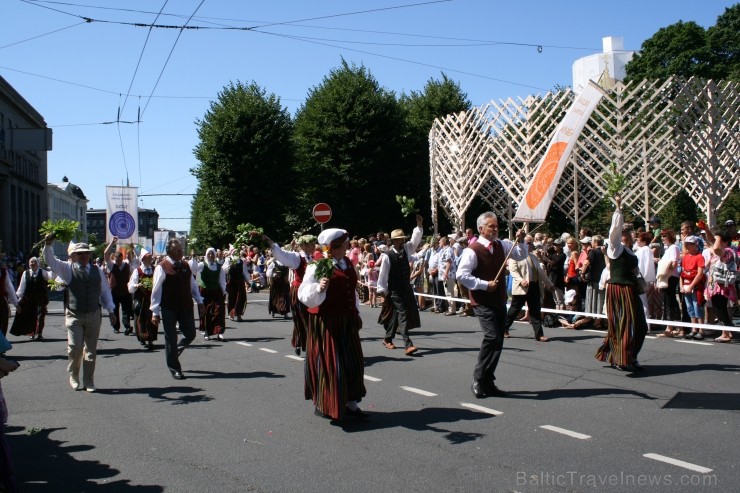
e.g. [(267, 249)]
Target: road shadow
[(163, 394), (430, 351), (546, 395), (115, 351), (255, 339), (425, 419), (43, 464), (660, 370), (205, 374), (704, 400), (441, 332), (371, 360), (574, 338)]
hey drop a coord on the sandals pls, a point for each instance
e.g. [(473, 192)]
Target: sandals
[(722, 339), (389, 345), (666, 334)]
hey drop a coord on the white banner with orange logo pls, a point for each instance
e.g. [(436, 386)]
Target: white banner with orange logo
[(541, 189)]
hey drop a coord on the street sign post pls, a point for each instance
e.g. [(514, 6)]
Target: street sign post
[(322, 213)]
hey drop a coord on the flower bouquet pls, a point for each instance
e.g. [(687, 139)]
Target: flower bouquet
[(324, 268)]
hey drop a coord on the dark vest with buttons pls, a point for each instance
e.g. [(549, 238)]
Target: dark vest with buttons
[(84, 290), (487, 268), (622, 269), (340, 295), (118, 279), (400, 273), (210, 277), (176, 293)]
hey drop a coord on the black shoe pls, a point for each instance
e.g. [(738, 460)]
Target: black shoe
[(356, 413), (178, 375), (150, 346), (297, 351), (180, 349), (477, 390), (637, 366), (116, 331)]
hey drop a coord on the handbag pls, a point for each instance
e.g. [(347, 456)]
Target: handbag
[(663, 273), (723, 273)]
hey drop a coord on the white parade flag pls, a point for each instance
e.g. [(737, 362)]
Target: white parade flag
[(122, 214), (160, 242), (541, 189)]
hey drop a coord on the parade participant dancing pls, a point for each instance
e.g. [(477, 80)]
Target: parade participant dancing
[(279, 301), (481, 271), (625, 316), (237, 275), (298, 261), (173, 292), (213, 320), (146, 332), (334, 363), (87, 290), (400, 310), (33, 296)]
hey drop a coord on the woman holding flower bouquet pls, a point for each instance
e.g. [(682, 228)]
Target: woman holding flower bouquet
[(334, 362), (213, 290), (140, 285)]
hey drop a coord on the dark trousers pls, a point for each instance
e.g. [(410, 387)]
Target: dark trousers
[(172, 348), (401, 319), (492, 321), (671, 310), (532, 299), (719, 304), (127, 310)]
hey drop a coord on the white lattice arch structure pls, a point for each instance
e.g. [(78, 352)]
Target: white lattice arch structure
[(665, 136)]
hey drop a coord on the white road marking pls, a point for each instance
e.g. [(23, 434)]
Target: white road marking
[(481, 408), (698, 343), (679, 463), (267, 350), (297, 358), (594, 330), (418, 391), (563, 431), (651, 337), (244, 343), (373, 379)]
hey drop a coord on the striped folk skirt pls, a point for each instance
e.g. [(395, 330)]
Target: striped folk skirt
[(334, 367), (627, 326), (299, 312)]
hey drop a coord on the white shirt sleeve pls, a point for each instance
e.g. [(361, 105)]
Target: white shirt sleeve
[(63, 270), (106, 300), (289, 259), (133, 281), (615, 235), (157, 281), (385, 267), (308, 292), (21, 286), (468, 263)]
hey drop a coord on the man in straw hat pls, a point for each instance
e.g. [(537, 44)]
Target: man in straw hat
[(298, 261), (482, 271), (400, 311), (334, 362), (87, 289)]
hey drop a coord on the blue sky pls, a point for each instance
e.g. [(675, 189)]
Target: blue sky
[(79, 74)]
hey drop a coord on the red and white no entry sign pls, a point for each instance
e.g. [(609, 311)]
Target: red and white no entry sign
[(322, 212)]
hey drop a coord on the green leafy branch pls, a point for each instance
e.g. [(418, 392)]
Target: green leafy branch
[(616, 182), (408, 206), (324, 268)]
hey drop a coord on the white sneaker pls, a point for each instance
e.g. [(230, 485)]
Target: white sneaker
[(74, 383), (90, 388), (221, 337), (206, 338)]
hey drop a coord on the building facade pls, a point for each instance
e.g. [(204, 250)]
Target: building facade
[(67, 201), (24, 142)]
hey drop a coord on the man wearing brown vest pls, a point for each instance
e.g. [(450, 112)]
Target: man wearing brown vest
[(174, 289), (481, 271), (119, 273)]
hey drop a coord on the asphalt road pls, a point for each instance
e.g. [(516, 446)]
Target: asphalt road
[(240, 423)]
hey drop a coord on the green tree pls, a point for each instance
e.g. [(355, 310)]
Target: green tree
[(438, 99), (349, 137), (723, 40), (245, 156), (679, 209), (679, 49)]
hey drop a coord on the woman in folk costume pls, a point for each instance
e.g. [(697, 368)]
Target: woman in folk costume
[(33, 295), (7, 298), (140, 285), (334, 363), (279, 301), (298, 261), (624, 312), (237, 275), (213, 290)]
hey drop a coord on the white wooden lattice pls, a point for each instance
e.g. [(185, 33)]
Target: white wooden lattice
[(665, 136)]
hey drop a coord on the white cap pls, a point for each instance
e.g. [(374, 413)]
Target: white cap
[(331, 235), (570, 295)]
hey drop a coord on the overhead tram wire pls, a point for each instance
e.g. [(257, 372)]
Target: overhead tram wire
[(42, 35)]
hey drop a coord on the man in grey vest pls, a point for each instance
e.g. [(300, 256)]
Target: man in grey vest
[(88, 290)]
